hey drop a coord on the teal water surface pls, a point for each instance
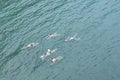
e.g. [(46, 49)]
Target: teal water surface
[(95, 56)]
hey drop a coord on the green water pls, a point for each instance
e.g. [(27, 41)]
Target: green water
[(95, 56)]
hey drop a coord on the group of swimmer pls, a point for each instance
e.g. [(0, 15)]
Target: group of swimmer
[(49, 52)]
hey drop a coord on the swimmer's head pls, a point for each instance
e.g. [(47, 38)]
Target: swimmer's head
[(49, 34), (48, 50), (31, 45)]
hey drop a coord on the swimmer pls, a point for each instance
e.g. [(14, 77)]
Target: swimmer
[(48, 53), (52, 35), (30, 45), (72, 38), (53, 60)]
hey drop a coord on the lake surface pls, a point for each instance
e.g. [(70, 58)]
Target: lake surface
[(96, 56)]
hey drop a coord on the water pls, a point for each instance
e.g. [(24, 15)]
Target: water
[(94, 57)]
